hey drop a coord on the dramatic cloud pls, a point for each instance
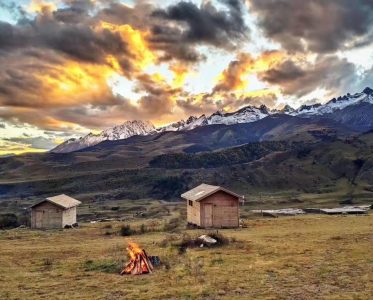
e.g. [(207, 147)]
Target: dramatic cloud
[(198, 25), (79, 41), (235, 76), (28, 81), (72, 66), (316, 25), (301, 77), (210, 103)]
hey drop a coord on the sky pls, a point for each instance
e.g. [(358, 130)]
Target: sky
[(70, 67)]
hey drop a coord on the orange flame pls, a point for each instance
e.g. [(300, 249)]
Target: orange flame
[(133, 249), (139, 262)]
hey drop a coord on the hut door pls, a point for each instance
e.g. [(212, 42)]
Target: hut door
[(208, 215), (38, 219)]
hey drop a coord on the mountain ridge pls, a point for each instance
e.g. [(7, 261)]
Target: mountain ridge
[(358, 119), (123, 131)]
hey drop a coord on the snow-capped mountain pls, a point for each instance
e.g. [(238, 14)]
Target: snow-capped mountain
[(126, 130), (355, 111), (247, 114), (366, 96)]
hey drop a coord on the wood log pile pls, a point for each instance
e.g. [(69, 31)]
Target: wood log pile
[(139, 261)]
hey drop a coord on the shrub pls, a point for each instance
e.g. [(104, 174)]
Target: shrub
[(24, 219), (8, 221), (126, 230), (219, 237), (47, 263), (143, 228)]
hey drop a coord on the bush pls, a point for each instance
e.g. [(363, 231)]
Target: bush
[(8, 221), (47, 263), (126, 230), (219, 237), (143, 228), (24, 219)]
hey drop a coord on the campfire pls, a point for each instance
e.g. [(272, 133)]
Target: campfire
[(139, 261)]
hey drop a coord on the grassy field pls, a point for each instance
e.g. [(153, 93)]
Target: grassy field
[(305, 257)]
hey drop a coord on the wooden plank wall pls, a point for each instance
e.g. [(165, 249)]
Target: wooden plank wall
[(50, 216), (194, 213), (69, 216), (225, 210)]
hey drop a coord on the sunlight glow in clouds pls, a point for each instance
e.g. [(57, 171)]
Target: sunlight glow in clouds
[(74, 66)]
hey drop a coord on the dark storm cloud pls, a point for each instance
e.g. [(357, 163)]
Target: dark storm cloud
[(295, 78), (320, 26), (81, 42), (287, 71), (191, 25), (117, 13), (82, 5), (78, 41), (12, 37)]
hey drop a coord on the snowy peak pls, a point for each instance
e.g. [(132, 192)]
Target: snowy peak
[(336, 104), (287, 109), (368, 91), (128, 129), (246, 114), (123, 131)]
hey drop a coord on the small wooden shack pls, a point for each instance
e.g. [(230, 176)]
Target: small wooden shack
[(210, 206), (54, 212)]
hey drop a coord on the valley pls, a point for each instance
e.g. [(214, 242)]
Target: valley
[(305, 257), (275, 159)]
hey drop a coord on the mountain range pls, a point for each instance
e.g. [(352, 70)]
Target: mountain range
[(318, 152), (353, 111)]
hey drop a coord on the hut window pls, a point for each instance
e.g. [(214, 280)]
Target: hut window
[(190, 203)]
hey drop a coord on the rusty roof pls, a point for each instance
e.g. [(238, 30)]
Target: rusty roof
[(62, 200), (204, 190)]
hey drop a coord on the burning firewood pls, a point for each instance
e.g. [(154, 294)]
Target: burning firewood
[(139, 261)]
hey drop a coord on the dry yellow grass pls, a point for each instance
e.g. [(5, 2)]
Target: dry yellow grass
[(306, 257)]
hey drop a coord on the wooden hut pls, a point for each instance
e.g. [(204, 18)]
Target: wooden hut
[(210, 206), (54, 212)]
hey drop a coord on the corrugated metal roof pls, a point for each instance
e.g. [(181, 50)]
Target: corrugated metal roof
[(63, 201), (203, 190)]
